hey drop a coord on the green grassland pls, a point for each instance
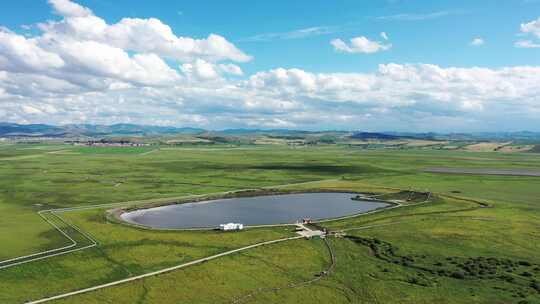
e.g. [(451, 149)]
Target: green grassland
[(449, 250)]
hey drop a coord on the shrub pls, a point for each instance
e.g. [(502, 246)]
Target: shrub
[(458, 275), (507, 278)]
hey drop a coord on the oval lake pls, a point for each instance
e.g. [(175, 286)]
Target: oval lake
[(257, 210)]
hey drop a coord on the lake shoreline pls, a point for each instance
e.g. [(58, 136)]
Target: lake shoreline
[(119, 215)]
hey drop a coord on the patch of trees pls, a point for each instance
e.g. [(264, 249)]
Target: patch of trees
[(522, 275)]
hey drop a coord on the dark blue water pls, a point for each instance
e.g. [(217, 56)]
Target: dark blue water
[(259, 210)]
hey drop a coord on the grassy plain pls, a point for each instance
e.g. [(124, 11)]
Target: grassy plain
[(446, 251)]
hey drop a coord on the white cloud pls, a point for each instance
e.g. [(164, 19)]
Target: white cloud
[(101, 60), (230, 68), (83, 50), (529, 28), (532, 27), (269, 123), (397, 89), (418, 97), (201, 70), (527, 44), (296, 34), (477, 41), (142, 35), (30, 110), (360, 45), (18, 53), (418, 16), (69, 9), (384, 36)]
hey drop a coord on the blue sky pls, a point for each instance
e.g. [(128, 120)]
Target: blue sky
[(299, 66)]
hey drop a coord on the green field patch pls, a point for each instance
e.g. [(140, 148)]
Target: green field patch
[(111, 150), (444, 227), (230, 277)]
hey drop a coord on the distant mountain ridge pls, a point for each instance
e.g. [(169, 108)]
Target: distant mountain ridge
[(73, 130), (126, 129), (374, 136), (11, 129)]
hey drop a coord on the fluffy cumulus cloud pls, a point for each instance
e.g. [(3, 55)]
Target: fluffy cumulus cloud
[(85, 63), (135, 34), (68, 8), (20, 54), (531, 28), (477, 41), (361, 45), (407, 96), (409, 92), (202, 70), (81, 69), (82, 49), (419, 87)]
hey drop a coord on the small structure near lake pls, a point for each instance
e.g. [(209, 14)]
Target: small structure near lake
[(306, 220), (231, 227), (308, 233)]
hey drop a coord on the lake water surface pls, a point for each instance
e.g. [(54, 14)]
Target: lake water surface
[(259, 210)]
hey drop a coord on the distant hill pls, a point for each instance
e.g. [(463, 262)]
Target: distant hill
[(522, 137), (10, 129), (374, 135), (125, 129), (73, 130), (274, 132)]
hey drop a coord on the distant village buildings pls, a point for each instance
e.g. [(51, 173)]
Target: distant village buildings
[(106, 143)]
